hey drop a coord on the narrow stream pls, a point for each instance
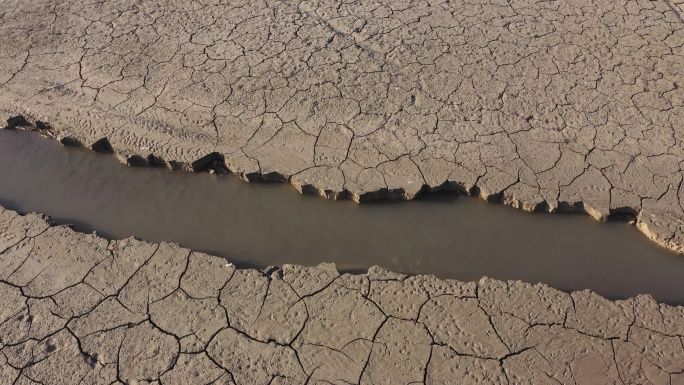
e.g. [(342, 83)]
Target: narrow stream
[(258, 225)]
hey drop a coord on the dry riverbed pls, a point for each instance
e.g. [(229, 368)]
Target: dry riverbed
[(76, 308)]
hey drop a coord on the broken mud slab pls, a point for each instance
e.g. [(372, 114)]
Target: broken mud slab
[(258, 225), (97, 311)]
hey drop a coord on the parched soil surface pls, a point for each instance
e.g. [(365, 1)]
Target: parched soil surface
[(544, 105), (79, 309)]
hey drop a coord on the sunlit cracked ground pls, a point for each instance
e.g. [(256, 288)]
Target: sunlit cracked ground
[(551, 105), (78, 309)]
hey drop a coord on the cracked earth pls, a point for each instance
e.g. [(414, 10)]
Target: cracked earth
[(541, 105), (549, 105), (79, 309)]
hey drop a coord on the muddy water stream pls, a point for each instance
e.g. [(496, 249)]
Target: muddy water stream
[(271, 224)]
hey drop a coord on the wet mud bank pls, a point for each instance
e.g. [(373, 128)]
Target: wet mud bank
[(261, 225)]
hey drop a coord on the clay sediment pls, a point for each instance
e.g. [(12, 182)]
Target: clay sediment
[(76, 308)]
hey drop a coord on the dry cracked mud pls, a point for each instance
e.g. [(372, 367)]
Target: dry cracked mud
[(79, 309), (544, 105)]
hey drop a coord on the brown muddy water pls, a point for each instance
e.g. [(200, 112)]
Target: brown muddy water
[(258, 225)]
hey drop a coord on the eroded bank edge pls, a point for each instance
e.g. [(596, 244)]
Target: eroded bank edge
[(214, 163)]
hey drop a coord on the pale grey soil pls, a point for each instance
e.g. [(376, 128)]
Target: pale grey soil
[(78, 309), (542, 105)]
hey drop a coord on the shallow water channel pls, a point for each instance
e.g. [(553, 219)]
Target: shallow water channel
[(259, 224)]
